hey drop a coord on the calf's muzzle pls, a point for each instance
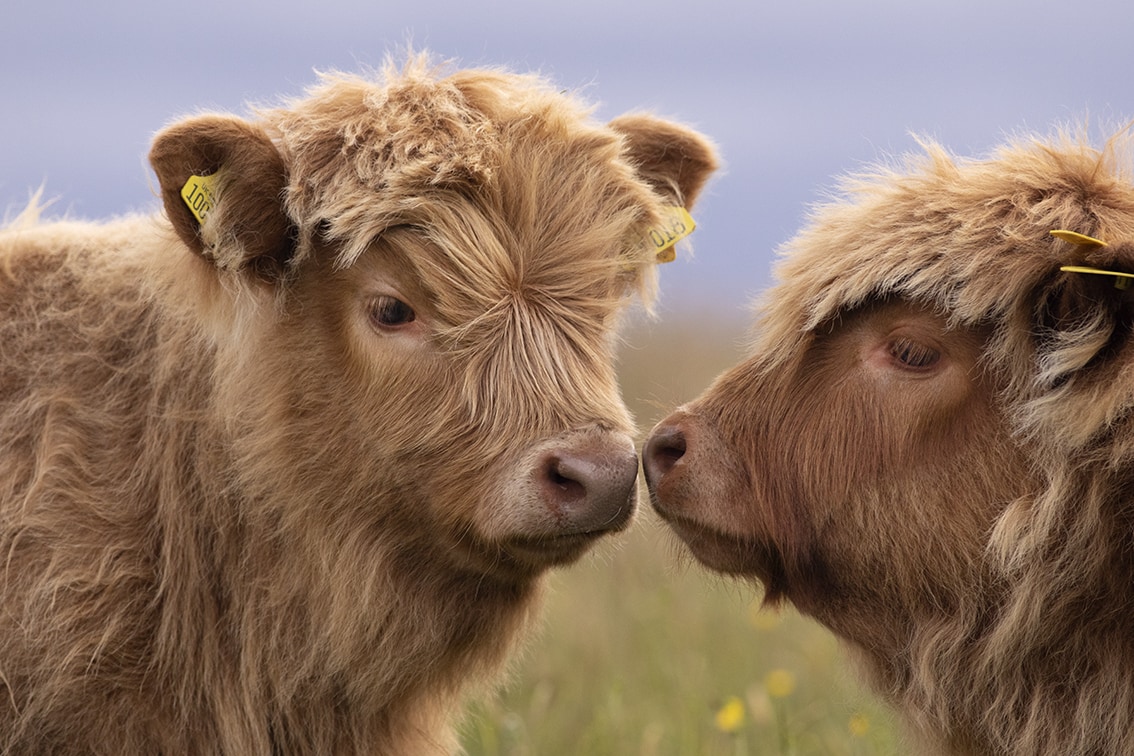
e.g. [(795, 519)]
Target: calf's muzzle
[(587, 482)]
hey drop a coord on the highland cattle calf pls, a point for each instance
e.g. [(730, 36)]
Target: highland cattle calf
[(280, 469), (931, 446)]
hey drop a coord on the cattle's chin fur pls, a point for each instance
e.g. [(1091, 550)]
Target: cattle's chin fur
[(522, 557), (723, 552), (538, 554)]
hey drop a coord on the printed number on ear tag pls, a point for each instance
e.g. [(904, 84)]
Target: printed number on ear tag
[(199, 194), (677, 223)]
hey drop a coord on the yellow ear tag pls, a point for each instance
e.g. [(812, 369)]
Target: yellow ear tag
[(676, 224), (199, 194), (1076, 238), (1121, 280)]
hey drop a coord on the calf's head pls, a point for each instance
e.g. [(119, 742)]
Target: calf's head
[(929, 447), (844, 460), (420, 281)]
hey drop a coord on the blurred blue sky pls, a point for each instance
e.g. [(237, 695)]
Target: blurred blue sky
[(793, 93)]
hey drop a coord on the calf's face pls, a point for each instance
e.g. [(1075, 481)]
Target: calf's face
[(432, 273), (929, 450), (827, 472), (498, 432)]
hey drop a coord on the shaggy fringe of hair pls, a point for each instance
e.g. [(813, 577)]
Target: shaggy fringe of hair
[(427, 135)]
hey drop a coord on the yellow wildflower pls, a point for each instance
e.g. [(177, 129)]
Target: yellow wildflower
[(859, 725), (730, 717), (780, 683)]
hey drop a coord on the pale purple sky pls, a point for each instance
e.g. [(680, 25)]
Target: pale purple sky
[(794, 93)]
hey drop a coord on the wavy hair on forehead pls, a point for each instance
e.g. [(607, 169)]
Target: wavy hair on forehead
[(543, 318), (535, 349), (477, 257)]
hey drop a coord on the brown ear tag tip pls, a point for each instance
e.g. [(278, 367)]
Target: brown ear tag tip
[(1121, 280)]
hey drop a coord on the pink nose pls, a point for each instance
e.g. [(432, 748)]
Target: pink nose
[(589, 485), (664, 449)]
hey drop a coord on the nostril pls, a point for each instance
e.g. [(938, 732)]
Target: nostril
[(566, 480), (665, 448)]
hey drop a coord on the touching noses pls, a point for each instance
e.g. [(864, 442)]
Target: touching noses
[(588, 484)]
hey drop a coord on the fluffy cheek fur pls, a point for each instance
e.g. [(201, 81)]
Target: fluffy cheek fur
[(386, 453)]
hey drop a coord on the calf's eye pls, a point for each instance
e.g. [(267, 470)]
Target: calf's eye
[(913, 354), (389, 312)]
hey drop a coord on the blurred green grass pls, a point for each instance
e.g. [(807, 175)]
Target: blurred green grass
[(640, 651)]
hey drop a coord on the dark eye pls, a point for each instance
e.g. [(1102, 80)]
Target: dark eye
[(913, 354), (388, 312)]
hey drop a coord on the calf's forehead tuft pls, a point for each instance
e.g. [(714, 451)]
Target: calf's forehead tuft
[(969, 238), (366, 154)]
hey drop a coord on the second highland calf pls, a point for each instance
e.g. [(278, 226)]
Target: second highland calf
[(931, 448)]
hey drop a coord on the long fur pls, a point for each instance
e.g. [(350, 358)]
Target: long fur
[(234, 517), (980, 561)]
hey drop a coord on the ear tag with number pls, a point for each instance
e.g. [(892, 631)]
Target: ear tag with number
[(676, 224), (200, 194)]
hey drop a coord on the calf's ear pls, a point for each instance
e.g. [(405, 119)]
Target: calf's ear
[(222, 184), (674, 159), (1087, 312)]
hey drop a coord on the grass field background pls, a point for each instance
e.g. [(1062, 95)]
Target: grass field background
[(641, 652)]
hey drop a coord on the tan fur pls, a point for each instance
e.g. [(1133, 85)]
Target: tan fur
[(239, 515), (965, 523)]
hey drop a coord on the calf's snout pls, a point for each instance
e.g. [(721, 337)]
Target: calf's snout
[(588, 484)]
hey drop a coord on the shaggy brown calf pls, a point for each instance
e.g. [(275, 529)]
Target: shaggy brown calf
[(279, 472), (931, 448)]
